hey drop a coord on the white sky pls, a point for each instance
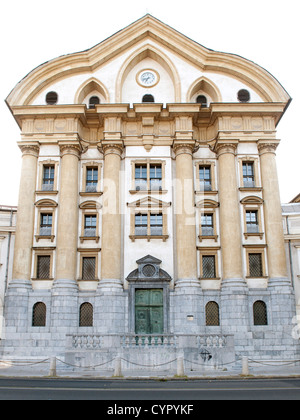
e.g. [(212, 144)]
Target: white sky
[(264, 31)]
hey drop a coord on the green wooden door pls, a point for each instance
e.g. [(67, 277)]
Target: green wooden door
[(149, 311)]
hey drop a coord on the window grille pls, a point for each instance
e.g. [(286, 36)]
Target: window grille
[(43, 267), (212, 314), (208, 266), (255, 265), (88, 268), (260, 313), (86, 315), (148, 270), (39, 315)]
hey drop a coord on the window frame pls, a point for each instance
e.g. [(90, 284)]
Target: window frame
[(148, 163), (84, 170), (205, 252), (41, 165), (254, 160), (89, 253), (212, 167), (46, 252), (256, 250)]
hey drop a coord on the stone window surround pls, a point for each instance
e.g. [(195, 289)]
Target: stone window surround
[(43, 251), (209, 251), (41, 165), (257, 182), (148, 162), (88, 252), (45, 206), (256, 249), (253, 203), (212, 164), (89, 208), (84, 167)]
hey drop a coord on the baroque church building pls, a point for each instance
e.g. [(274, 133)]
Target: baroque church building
[(149, 219)]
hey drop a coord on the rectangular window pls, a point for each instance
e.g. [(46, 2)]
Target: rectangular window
[(141, 177), (46, 224), (88, 268), (91, 179), (155, 177), (252, 221), (156, 224), (255, 265), (205, 178), (208, 266), (248, 174), (141, 224), (43, 267), (48, 178), (207, 227), (90, 225)]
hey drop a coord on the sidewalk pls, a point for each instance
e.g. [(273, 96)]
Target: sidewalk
[(46, 368)]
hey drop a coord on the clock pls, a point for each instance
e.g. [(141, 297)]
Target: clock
[(147, 78)]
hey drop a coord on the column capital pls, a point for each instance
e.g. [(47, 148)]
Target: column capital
[(30, 148), (267, 146), (70, 149), (108, 148), (229, 146), (182, 147)]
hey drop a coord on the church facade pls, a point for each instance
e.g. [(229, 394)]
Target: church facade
[(149, 219)]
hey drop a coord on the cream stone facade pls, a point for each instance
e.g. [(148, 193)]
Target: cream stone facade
[(149, 205)]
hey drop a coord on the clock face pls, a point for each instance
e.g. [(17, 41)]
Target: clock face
[(147, 78)]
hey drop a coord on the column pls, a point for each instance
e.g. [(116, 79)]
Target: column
[(272, 211), (25, 215), (230, 223), (16, 300), (64, 302), (111, 217), (185, 215), (67, 225)]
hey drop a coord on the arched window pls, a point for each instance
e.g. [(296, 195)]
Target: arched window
[(148, 98), (212, 314), (201, 99), (86, 315), (94, 100), (39, 314), (260, 313)]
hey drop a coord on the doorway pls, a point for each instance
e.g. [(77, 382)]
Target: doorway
[(149, 314)]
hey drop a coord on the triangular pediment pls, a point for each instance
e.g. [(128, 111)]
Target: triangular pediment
[(149, 202)]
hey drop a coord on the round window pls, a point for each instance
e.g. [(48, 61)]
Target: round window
[(243, 95), (148, 270), (51, 98)]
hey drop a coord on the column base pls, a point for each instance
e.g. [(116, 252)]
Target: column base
[(66, 285), (188, 284), (279, 283), (21, 285), (237, 284), (110, 285)]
